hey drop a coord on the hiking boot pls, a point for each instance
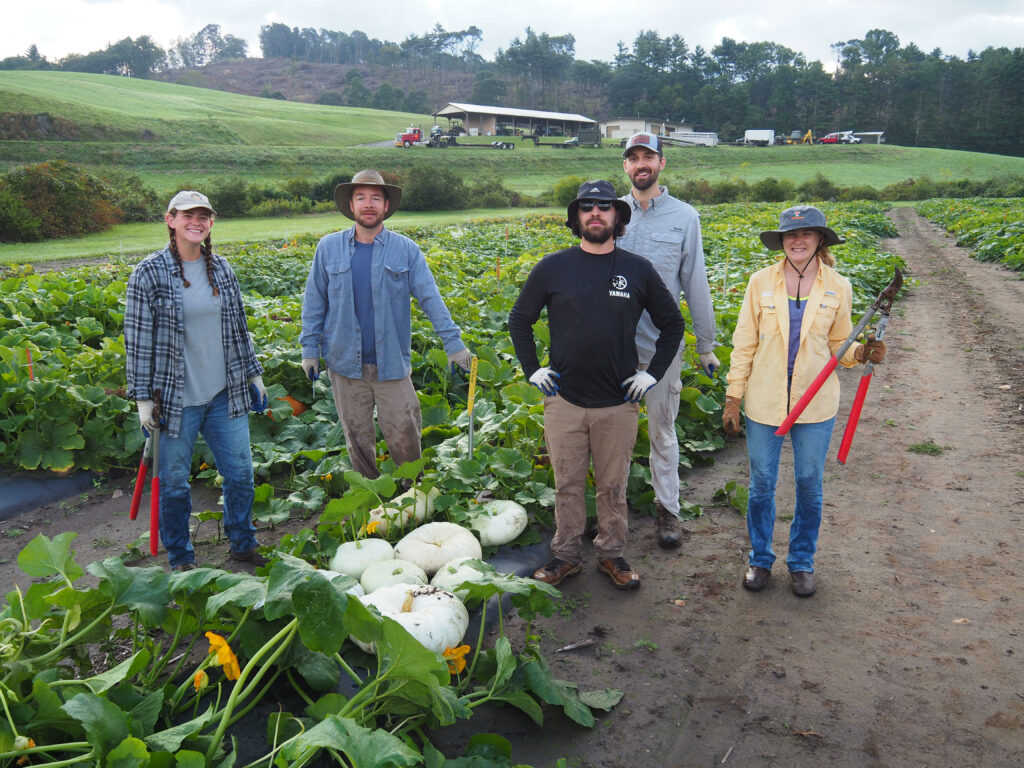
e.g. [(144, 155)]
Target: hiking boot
[(756, 578), (252, 556), (669, 532), (180, 567), (803, 583), (556, 571), (619, 572)]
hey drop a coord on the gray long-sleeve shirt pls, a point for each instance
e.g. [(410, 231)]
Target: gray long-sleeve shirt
[(667, 234)]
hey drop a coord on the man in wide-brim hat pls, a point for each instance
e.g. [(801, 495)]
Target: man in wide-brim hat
[(356, 316), (595, 294)]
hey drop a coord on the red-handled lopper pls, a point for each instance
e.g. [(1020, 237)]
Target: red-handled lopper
[(883, 303), (862, 391)]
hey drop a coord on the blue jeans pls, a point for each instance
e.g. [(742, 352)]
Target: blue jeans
[(810, 447), (229, 440)]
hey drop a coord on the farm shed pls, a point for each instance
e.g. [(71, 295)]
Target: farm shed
[(624, 127), (491, 121)]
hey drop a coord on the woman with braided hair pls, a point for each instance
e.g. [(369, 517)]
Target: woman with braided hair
[(192, 370)]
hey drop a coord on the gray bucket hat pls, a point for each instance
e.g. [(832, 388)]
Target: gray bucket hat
[(599, 191), (367, 178), (799, 217)]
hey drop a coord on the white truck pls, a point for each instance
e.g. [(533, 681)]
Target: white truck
[(758, 137)]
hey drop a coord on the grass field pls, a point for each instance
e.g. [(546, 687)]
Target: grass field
[(137, 239), (193, 135)]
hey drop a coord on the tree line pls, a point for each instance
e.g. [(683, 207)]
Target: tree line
[(916, 98)]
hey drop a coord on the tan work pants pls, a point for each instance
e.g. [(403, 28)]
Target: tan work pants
[(398, 414), (573, 436)]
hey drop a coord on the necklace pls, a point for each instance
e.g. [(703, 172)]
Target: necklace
[(800, 276)]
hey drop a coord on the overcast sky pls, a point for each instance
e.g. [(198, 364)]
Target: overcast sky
[(59, 27)]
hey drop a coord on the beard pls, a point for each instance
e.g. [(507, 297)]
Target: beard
[(597, 235), (369, 219), (646, 182)]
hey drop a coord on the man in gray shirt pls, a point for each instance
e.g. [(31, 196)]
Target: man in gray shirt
[(666, 232)]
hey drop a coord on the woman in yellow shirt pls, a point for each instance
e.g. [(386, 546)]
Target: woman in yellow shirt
[(795, 316)]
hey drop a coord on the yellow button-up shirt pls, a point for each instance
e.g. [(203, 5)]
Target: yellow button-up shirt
[(760, 355)]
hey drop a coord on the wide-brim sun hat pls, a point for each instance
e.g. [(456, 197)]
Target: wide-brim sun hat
[(800, 217), (367, 178), (188, 199), (599, 191)]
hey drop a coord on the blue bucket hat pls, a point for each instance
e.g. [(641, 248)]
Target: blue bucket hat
[(799, 217)]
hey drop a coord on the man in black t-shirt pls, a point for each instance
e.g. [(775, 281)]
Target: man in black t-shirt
[(595, 295)]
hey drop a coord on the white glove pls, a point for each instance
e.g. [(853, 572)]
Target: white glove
[(311, 367), (709, 363), (258, 400), (544, 380), (637, 385), (462, 358), (146, 420)]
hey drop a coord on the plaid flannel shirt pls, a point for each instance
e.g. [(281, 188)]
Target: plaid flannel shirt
[(154, 336)]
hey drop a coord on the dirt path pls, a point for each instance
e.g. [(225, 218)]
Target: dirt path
[(911, 652)]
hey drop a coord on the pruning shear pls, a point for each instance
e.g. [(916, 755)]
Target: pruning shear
[(883, 303), (150, 458)]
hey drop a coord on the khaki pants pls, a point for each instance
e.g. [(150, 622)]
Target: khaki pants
[(398, 413), (573, 436)]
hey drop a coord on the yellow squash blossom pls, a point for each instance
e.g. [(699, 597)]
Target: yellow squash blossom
[(200, 680), (225, 656), (456, 658), (371, 527)]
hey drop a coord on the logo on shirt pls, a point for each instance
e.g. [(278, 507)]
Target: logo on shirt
[(618, 287)]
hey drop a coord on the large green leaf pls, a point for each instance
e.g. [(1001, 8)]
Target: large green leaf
[(105, 724), (45, 557), (126, 670), (141, 589), (364, 747), (558, 692), (170, 739), (130, 753), (320, 609)]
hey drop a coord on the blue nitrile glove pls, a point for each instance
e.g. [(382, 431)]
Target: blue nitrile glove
[(258, 400), (709, 363), (636, 386), (311, 367), (544, 380)]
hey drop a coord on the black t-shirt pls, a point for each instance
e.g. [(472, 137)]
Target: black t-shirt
[(594, 302)]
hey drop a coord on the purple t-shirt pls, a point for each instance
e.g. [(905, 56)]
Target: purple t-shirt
[(796, 318)]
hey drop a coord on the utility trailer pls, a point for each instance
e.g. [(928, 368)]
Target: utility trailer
[(758, 137), (588, 136)]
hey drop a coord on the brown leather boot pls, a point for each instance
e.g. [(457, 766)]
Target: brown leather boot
[(669, 532)]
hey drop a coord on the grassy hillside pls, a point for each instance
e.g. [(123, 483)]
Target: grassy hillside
[(176, 136)]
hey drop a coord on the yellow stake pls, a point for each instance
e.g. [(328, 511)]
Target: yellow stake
[(472, 383)]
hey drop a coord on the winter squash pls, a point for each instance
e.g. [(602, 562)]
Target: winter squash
[(414, 504), (458, 571), (498, 522), (384, 573), (436, 618), (432, 545), (353, 557)]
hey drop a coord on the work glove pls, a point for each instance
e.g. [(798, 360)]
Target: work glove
[(311, 367), (258, 401), (544, 380), (146, 419), (709, 363), (462, 358), (731, 416), (636, 386), (871, 351)]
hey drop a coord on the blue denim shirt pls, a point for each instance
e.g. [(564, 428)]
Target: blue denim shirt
[(398, 273)]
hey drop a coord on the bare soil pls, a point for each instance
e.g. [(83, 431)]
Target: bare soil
[(910, 654)]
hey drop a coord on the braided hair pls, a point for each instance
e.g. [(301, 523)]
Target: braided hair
[(206, 248)]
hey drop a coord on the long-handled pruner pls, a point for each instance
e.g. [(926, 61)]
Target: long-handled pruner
[(150, 458), (469, 400), (883, 303), (140, 478), (862, 391)]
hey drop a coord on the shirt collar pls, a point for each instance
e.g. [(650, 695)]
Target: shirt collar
[(662, 191)]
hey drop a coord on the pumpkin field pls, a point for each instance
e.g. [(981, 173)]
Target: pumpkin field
[(118, 672)]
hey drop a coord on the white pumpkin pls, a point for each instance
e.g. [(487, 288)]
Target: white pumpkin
[(414, 504), (387, 572), (498, 522), (432, 545), (436, 618), (454, 573), (334, 576), (353, 557)]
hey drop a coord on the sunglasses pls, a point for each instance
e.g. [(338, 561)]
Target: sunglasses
[(588, 205)]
